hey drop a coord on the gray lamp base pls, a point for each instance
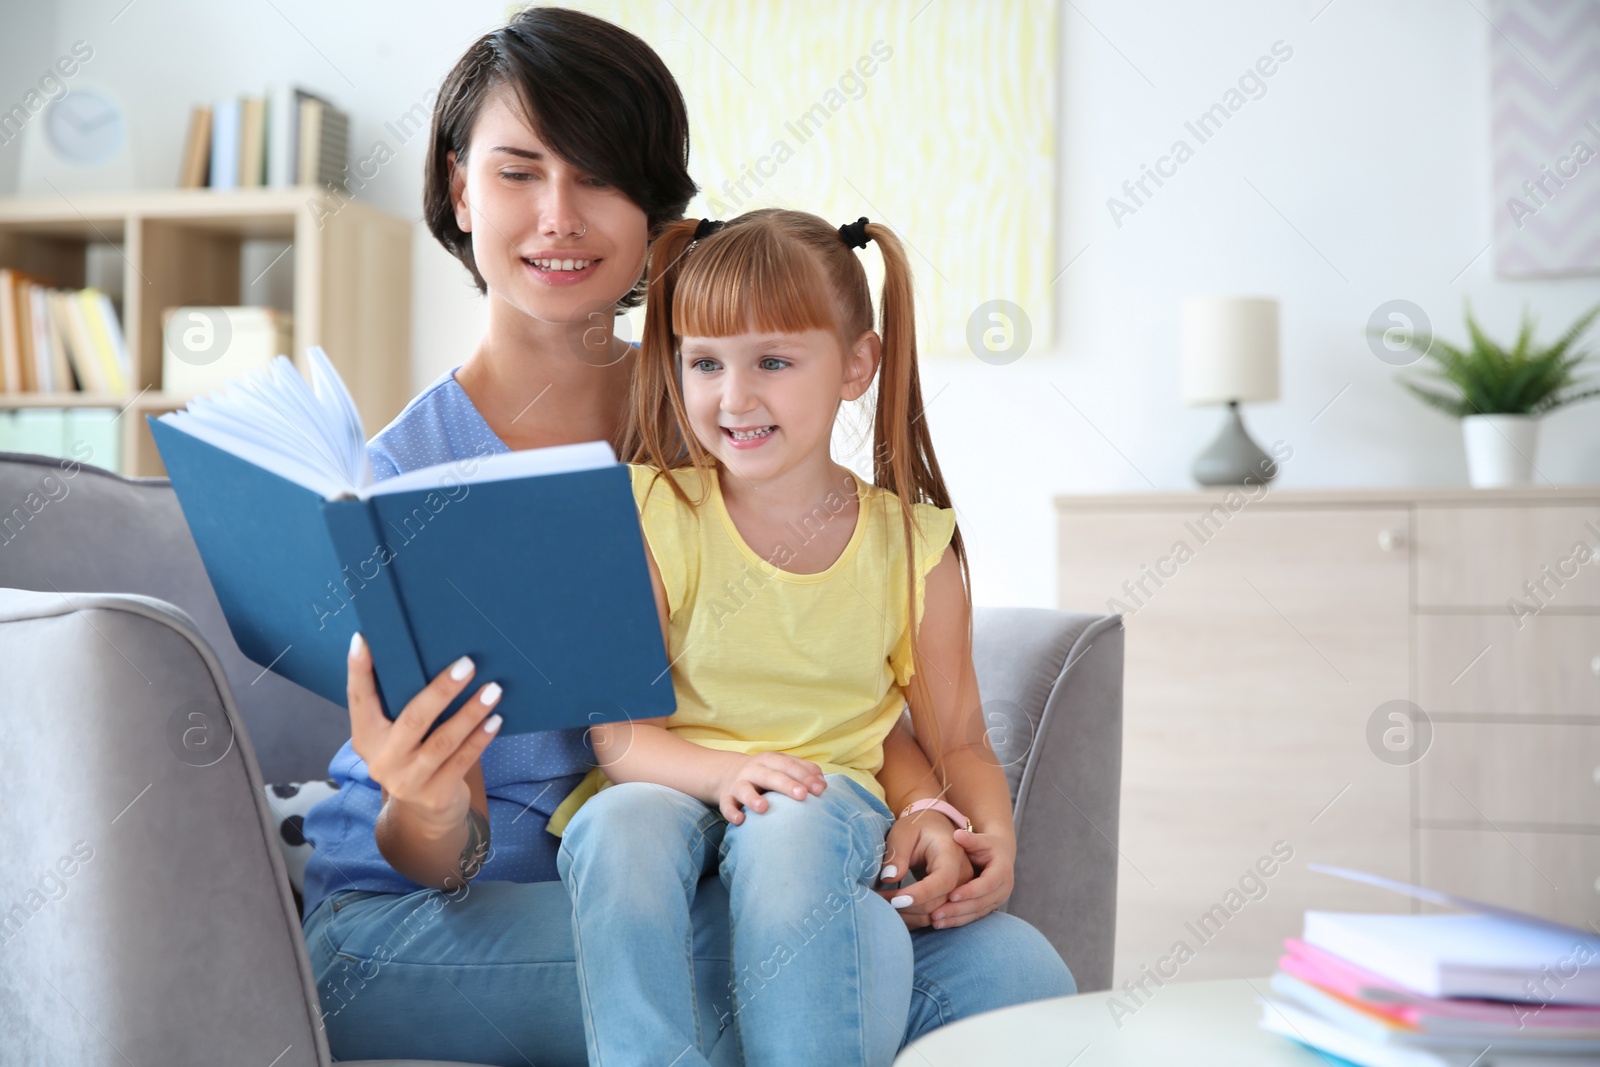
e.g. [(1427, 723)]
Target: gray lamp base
[(1234, 459)]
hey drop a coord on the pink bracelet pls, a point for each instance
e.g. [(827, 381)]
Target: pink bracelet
[(941, 806)]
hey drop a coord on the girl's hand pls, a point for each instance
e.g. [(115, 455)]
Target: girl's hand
[(744, 782), (428, 776), (923, 842), (996, 856)]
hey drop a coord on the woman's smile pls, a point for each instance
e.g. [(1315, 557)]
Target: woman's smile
[(568, 270)]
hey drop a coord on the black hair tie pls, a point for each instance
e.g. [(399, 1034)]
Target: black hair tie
[(706, 228), (854, 233)]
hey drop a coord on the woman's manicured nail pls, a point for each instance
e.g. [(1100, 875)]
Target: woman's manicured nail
[(901, 901), (492, 724), (954, 897), (890, 873), (491, 693), (355, 644), (461, 668)]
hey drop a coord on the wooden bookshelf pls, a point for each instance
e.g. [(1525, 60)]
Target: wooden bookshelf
[(352, 284)]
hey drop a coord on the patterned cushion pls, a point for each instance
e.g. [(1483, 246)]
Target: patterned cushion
[(290, 803)]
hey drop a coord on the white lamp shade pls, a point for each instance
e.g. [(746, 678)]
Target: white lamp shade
[(1230, 349)]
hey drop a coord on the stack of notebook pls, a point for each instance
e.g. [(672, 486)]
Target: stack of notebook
[(1488, 988)]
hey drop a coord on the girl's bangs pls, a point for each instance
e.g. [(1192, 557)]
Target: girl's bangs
[(747, 282)]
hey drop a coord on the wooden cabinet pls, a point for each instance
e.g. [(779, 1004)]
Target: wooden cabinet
[(352, 285), (1271, 637)]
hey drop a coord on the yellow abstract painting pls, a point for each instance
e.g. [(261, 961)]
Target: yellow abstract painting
[(937, 118)]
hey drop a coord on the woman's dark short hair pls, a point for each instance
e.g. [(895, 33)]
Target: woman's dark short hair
[(595, 94)]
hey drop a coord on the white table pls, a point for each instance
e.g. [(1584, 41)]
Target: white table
[(1182, 1024)]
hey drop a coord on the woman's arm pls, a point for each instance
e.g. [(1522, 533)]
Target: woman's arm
[(977, 785), (434, 824), (922, 843)]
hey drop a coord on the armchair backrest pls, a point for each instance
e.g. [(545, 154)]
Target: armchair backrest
[(71, 528)]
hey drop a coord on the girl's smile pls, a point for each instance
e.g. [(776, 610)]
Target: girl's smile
[(748, 436)]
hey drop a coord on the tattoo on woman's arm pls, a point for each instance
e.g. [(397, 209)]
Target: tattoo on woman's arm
[(476, 850)]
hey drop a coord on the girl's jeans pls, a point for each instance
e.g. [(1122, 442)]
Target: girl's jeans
[(488, 973), (804, 926)]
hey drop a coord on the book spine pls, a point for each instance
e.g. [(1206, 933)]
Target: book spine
[(367, 585), (225, 144), (100, 338), (10, 346)]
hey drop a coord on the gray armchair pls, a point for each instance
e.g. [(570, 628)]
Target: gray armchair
[(148, 915)]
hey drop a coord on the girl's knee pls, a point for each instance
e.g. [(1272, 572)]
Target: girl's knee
[(830, 838)]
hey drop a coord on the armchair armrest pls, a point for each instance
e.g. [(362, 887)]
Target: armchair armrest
[(1051, 684)]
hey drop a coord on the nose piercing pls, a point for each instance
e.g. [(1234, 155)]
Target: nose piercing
[(583, 231)]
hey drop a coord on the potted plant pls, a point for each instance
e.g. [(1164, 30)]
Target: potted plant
[(1499, 395)]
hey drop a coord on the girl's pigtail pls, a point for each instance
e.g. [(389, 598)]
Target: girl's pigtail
[(902, 459), (657, 427)]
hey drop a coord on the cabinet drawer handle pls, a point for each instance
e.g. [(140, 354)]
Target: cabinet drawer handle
[(1594, 665), (1389, 540)]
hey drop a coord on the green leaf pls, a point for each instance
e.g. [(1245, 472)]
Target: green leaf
[(1450, 405), (1491, 380)]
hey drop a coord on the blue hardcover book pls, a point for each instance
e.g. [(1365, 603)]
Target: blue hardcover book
[(531, 562)]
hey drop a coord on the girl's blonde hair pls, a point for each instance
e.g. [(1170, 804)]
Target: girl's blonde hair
[(786, 272)]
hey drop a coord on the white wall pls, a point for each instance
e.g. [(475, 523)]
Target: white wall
[(1361, 175), (25, 57)]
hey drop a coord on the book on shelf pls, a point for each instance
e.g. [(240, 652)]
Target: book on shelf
[(324, 144), (252, 140), (289, 136), (225, 118), (285, 104), (531, 562), (1485, 985), (60, 340), (193, 171)]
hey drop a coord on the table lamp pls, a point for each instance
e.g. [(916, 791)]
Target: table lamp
[(1230, 355)]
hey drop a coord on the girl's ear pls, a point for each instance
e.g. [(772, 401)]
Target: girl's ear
[(861, 365), (458, 193)]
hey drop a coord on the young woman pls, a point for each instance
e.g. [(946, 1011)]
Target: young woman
[(436, 925)]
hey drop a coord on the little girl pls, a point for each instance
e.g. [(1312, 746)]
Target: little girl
[(802, 608)]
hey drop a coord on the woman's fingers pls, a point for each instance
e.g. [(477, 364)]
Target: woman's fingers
[(463, 739), (915, 916), (361, 691), (427, 705)]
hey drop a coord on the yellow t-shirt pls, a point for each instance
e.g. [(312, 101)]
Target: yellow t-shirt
[(763, 659)]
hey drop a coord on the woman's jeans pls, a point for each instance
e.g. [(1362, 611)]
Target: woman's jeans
[(804, 926), (488, 974)]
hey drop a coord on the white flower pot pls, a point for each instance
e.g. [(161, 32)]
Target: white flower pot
[(1500, 449)]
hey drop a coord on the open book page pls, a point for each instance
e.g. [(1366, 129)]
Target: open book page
[(523, 463), (311, 435)]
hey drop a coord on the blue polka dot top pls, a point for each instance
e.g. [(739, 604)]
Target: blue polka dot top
[(525, 775)]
